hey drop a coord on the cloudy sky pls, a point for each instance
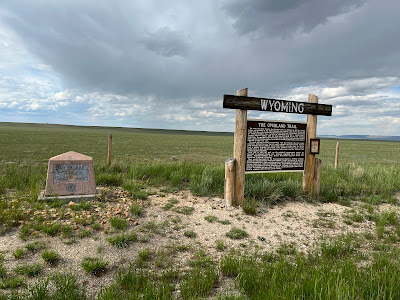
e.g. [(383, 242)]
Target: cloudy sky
[(167, 64)]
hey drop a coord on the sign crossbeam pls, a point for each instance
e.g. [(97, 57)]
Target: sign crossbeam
[(276, 105)]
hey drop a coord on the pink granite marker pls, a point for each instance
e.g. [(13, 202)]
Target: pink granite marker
[(70, 173)]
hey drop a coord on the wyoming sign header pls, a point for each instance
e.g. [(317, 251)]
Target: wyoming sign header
[(275, 105)]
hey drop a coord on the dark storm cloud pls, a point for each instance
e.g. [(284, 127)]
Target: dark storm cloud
[(177, 51), (166, 42), (285, 17)]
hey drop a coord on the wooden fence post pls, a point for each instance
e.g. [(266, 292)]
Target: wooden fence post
[(308, 177), (317, 176), (239, 149), (337, 155), (109, 149), (229, 194)]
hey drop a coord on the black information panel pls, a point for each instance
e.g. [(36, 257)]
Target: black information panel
[(274, 146)]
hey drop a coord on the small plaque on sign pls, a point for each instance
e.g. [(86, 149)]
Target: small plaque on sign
[(314, 146)]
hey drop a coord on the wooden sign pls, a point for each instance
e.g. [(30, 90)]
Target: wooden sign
[(275, 105), (275, 146)]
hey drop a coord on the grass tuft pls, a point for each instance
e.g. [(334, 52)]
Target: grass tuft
[(190, 234), (186, 210), (122, 240), (236, 234), (94, 265), (51, 257), (30, 270), (211, 219), (250, 206), (136, 209), (119, 223), (18, 253)]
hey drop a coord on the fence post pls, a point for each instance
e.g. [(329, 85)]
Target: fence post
[(239, 149), (109, 149), (337, 155), (229, 193), (308, 177)]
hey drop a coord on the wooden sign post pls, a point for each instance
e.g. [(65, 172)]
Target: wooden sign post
[(241, 102), (308, 177), (239, 150)]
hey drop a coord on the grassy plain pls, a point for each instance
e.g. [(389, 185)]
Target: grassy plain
[(351, 266), (194, 160)]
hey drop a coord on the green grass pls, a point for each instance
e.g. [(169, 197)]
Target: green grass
[(67, 231), (3, 270), (346, 267), (185, 210), (85, 233), (368, 169), (167, 206), (52, 230), (30, 270), (136, 209), (19, 253), (236, 234), (84, 205), (190, 234), (142, 258), (94, 265), (122, 240), (211, 219), (51, 257), (119, 223), (250, 206), (12, 282), (331, 271), (220, 245), (36, 246)]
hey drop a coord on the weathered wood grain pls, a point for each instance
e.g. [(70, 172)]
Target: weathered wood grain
[(276, 105)]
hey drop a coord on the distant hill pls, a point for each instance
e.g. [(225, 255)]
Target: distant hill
[(364, 137)]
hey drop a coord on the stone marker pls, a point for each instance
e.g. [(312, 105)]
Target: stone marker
[(70, 174)]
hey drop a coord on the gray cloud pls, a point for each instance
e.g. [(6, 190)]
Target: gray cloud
[(125, 48), (166, 42), (284, 17), (176, 59)]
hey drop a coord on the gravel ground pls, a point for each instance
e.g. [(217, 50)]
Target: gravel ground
[(298, 223)]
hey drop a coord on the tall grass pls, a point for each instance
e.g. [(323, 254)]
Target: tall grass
[(313, 276), (348, 181)]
